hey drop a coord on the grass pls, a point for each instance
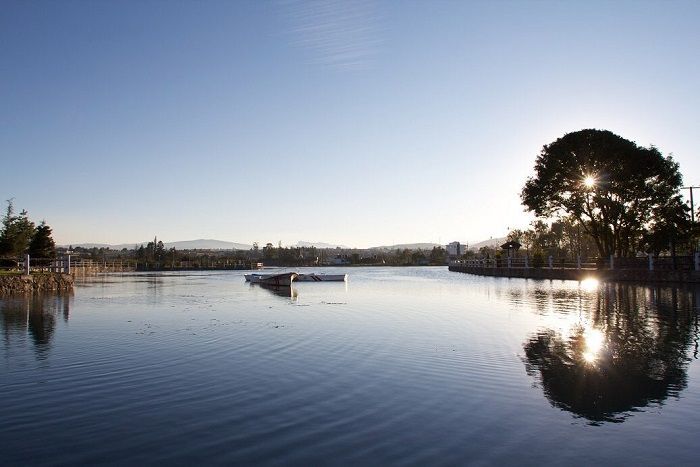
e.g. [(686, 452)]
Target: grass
[(5, 273)]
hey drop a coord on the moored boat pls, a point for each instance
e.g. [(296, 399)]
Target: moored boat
[(254, 278), (313, 277), (281, 279)]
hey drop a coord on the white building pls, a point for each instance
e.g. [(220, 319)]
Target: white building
[(455, 249)]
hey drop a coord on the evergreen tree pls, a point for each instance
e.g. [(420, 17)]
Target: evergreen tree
[(24, 231), (42, 244), (16, 233), (6, 243), (159, 252)]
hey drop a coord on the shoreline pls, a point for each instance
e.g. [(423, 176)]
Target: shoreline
[(609, 275), (38, 282)]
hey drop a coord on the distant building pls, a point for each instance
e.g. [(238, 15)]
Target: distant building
[(455, 250)]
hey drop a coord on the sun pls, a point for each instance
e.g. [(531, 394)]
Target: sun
[(589, 181), (590, 284)]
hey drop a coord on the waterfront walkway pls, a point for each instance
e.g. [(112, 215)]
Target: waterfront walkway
[(605, 273)]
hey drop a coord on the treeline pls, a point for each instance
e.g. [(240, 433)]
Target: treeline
[(20, 236), (156, 255), (300, 256), (563, 240)]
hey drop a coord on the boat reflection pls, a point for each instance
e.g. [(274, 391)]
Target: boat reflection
[(279, 290), (34, 315), (628, 348)]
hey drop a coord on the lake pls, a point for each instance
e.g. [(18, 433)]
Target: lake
[(398, 366)]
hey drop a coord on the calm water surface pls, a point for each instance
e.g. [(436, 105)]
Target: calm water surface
[(415, 366)]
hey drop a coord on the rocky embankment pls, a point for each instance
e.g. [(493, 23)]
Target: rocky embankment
[(22, 283)]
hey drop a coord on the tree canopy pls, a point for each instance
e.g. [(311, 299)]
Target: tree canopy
[(16, 232), (42, 244), (620, 193), (18, 235)]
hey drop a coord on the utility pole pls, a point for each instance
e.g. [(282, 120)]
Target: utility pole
[(692, 206), (692, 217)]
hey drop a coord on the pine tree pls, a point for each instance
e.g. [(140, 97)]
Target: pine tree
[(42, 244), (24, 232), (6, 243), (16, 233)]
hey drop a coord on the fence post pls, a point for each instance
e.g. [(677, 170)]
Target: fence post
[(68, 268), (551, 265), (697, 261), (612, 262), (26, 265), (509, 262), (578, 261), (651, 261), (527, 265)]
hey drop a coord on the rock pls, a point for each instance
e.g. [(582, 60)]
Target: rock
[(22, 283)]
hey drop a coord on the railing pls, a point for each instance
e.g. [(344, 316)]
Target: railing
[(87, 267), (83, 267), (25, 265), (204, 264), (651, 263), (66, 265)]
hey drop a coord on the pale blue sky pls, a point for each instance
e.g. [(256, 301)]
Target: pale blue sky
[(360, 123)]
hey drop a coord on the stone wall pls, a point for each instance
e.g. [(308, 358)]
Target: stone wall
[(21, 283)]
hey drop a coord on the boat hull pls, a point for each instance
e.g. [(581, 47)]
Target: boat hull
[(253, 278), (276, 280), (322, 277)]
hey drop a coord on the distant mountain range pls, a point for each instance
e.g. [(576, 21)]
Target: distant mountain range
[(211, 244), (200, 244), (492, 242), (408, 246), (303, 244)]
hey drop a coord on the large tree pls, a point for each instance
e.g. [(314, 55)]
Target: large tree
[(16, 232), (614, 188), (42, 244)]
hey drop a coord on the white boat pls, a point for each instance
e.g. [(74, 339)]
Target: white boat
[(254, 278), (280, 279), (313, 277)]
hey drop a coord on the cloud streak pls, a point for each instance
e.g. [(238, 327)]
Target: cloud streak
[(340, 34)]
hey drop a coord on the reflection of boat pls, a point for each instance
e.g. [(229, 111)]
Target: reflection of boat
[(281, 279), (280, 291), (313, 277)]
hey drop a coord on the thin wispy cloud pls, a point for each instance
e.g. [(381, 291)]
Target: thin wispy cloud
[(342, 34)]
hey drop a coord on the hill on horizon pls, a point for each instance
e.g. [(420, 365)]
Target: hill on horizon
[(492, 242), (407, 246), (304, 244), (212, 244), (199, 244)]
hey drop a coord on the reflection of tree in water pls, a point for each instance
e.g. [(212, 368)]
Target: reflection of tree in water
[(34, 315), (633, 352)]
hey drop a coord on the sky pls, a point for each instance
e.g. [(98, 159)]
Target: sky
[(360, 123)]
